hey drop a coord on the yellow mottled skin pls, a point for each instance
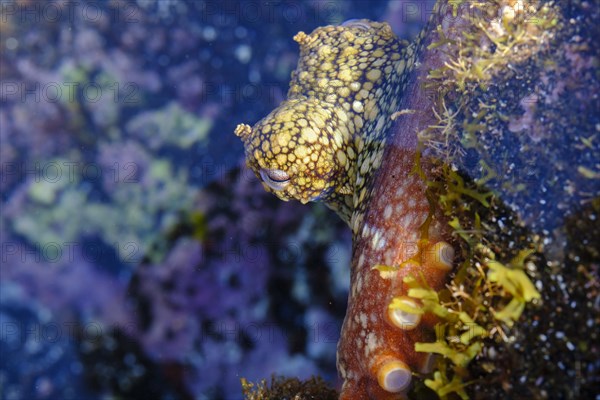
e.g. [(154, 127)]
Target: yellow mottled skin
[(326, 142), (327, 137)]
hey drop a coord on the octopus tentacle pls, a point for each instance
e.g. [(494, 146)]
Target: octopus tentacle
[(326, 142)]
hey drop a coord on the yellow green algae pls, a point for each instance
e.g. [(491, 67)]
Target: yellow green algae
[(517, 154), (144, 195)]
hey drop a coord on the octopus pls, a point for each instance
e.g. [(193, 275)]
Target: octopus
[(331, 141)]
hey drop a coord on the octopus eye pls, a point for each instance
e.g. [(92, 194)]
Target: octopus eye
[(276, 179), (357, 23)]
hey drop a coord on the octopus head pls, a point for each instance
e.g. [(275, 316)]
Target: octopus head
[(297, 152)]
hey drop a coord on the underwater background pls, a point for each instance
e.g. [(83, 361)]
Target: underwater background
[(139, 258)]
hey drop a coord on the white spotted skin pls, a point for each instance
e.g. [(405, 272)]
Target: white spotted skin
[(397, 224)]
